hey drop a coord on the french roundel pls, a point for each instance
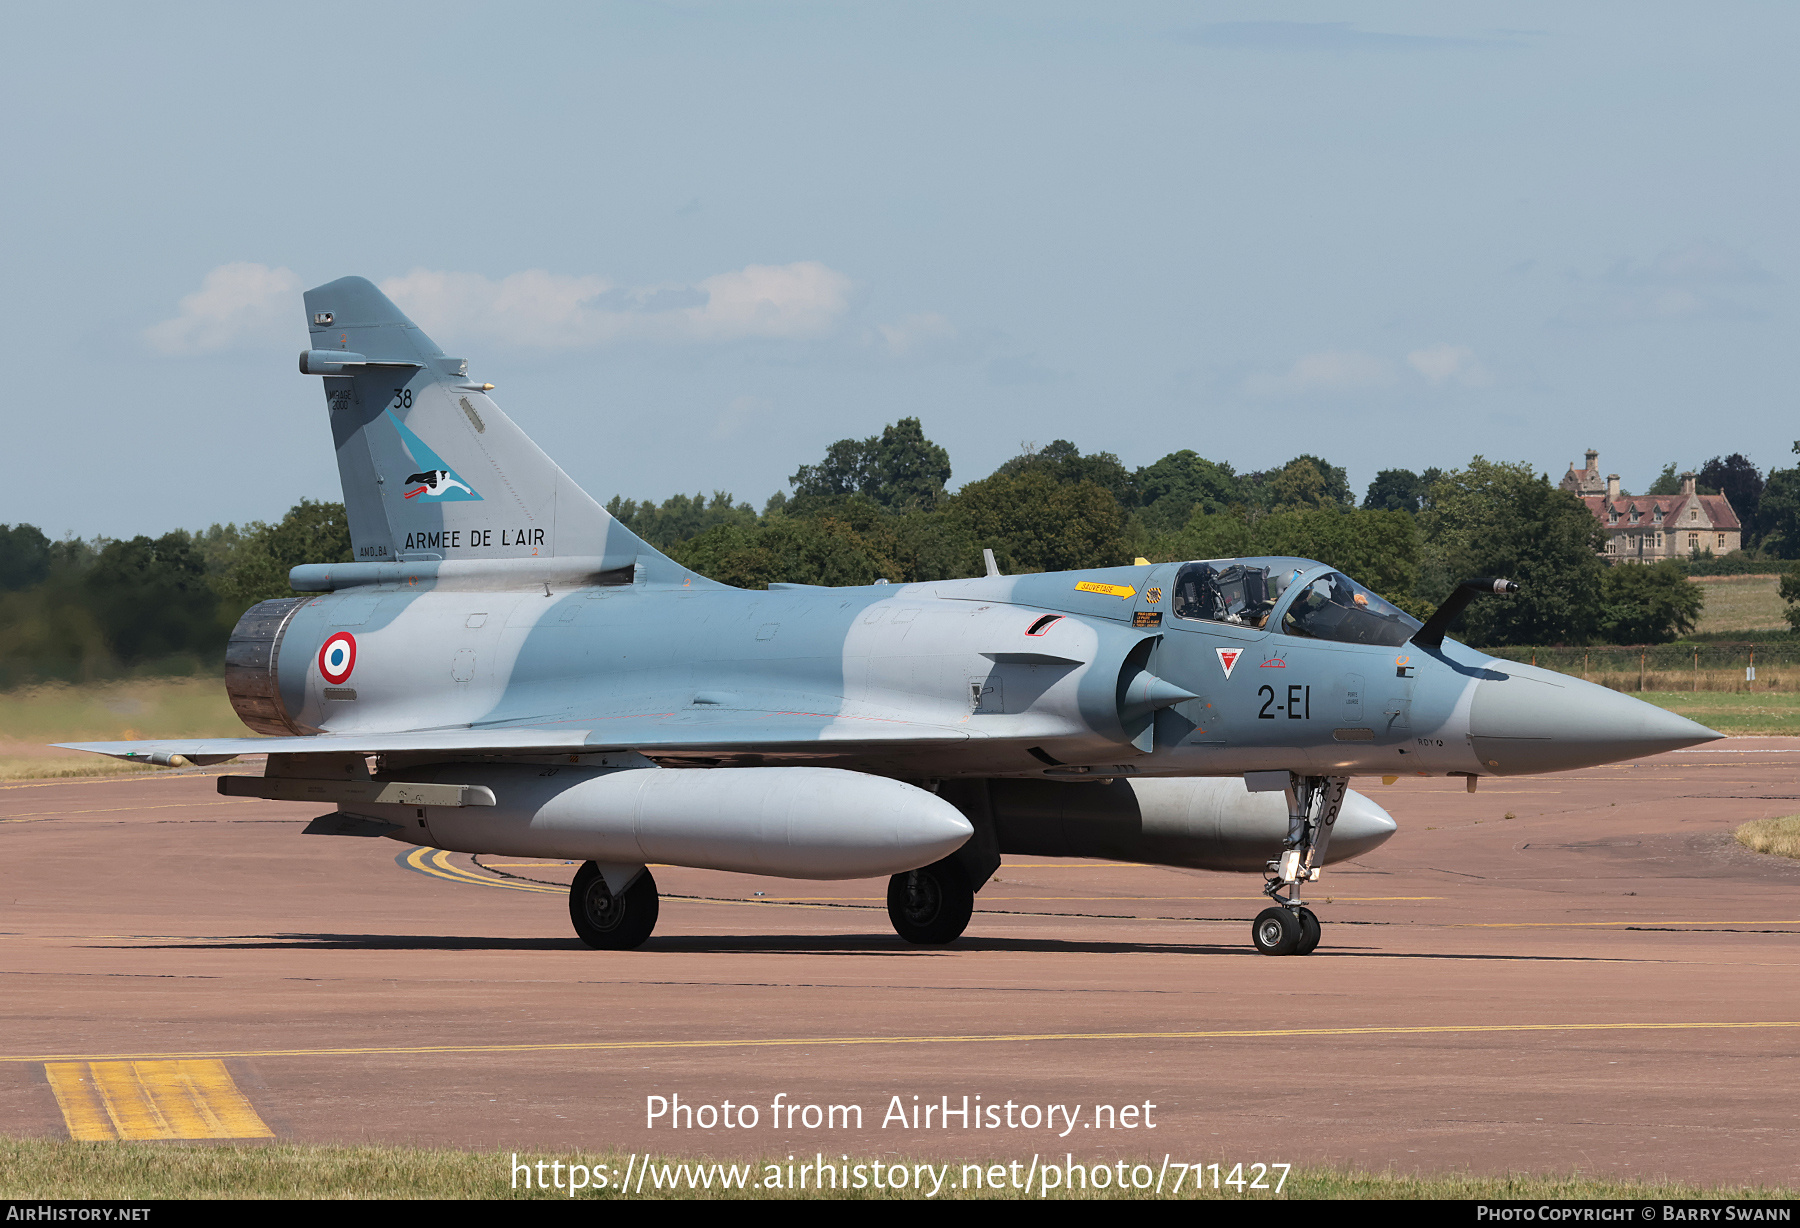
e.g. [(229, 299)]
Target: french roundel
[(337, 657)]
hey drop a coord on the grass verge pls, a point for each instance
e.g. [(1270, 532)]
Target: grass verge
[(1756, 712), (47, 1168), (1780, 837), (32, 718), (119, 711), (47, 767)]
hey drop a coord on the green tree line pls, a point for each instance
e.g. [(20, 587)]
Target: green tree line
[(83, 610), (882, 508), (879, 508)]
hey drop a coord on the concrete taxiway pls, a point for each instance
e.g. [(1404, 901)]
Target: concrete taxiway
[(1572, 972)]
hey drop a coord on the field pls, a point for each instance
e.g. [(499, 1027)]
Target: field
[(1758, 712), (34, 717), (1741, 604), (32, 1169)]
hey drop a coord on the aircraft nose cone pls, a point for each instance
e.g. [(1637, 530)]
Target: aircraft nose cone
[(1535, 720), (1361, 826)]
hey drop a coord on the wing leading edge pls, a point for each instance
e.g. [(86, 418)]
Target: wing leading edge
[(720, 730)]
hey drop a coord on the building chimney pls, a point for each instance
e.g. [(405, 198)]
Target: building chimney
[(1593, 456), (1612, 486), (1687, 484)]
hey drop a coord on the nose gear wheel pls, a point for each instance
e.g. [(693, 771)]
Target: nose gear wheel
[(1276, 931), (1291, 928), (1309, 933)]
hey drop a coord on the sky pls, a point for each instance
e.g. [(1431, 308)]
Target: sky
[(694, 243)]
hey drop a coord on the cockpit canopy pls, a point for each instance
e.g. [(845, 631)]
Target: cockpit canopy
[(1331, 606), (1228, 593)]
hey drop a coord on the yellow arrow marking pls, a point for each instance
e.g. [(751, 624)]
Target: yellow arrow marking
[(1109, 590)]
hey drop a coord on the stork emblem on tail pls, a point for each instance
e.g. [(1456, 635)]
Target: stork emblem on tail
[(437, 482), (432, 480)]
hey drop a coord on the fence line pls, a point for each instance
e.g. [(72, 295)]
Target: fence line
[(1747, 666)]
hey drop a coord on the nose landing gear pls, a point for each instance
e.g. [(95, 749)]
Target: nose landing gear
[(1291, 928), (1309, 932), (1285, 930), (1276, 931)]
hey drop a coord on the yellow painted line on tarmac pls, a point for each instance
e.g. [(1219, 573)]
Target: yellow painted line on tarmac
[(437, 863), (147, 1098), (1464, 788), (1029, 865), (41, 816), (1557, 925), (120, 778), (1103, 899), (1004, 1038), (150, 937), (1126, 899)]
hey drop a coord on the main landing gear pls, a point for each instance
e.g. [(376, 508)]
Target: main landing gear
[(1291, 928), (614, 908), (931, 905), (609, 919)]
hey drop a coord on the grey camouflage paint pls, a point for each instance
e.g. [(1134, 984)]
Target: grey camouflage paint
[(520, 619)]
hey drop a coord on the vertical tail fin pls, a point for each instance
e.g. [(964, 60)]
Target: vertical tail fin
[(431, 467)]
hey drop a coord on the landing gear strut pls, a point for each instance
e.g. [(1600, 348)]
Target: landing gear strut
[(1290, 928), (931, 905), (608, 920)]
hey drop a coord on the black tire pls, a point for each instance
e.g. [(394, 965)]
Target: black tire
[(1309, 933), (1276, 931), (931, 905), (607, 922)]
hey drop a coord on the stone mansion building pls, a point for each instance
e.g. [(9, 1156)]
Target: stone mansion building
[(1650, 528)]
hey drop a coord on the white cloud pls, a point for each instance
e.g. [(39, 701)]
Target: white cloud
[(1442, 364), (1325, 371), (236, 303), (532, 308), (766, 300), (553, 311)]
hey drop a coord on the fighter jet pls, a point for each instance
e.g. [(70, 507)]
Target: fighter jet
[(506, 669)]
